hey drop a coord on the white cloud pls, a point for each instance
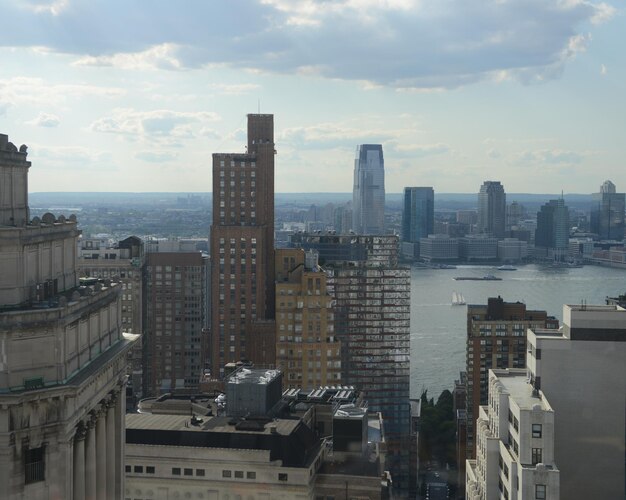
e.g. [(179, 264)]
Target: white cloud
[(234, 88), (547, 157), (45, 120), (408, 44), (603, 70), (156, 156), (62, 157)]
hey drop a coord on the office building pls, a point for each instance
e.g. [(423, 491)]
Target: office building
[(496, 338), (478, 248), (242, 250), (607, 216), (581, 368), (515, 443), (368, 194), (552, 233), (372, 322), (514, 214), (512, 250), (418, 214), (62, 356), (439, 248), (176, 321), (491, 209), (124, 263), (308, 351)]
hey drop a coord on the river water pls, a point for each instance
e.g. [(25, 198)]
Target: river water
[(438, 329)]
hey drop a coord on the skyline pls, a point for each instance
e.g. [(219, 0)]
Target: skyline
[(503, 90)]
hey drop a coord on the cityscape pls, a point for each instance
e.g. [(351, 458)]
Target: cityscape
[(343, 296)]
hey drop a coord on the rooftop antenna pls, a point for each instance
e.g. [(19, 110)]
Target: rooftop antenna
[(259, 106)]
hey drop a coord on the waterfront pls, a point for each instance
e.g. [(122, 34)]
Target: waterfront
[(438, 329)]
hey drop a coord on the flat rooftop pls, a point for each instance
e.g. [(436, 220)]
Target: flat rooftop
[(515, 382), (255, 376)]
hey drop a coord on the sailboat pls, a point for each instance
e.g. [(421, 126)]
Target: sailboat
[(458, 299)]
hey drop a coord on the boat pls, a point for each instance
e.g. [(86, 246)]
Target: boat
[(488, 277), (458, 299), (507, 267)]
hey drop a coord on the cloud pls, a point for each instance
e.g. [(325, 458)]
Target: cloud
[(45, 120), (414, 151), (156, 156), (331, 136), (406, 44), (234, 88), (68, 157), (550, 157), (603, 70), (158, 125)]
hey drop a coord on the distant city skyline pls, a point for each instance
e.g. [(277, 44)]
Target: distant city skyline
[(526, 91)]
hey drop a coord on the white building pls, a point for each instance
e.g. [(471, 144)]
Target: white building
[(582, 370), (439, 247), (512, 250), (515, 443), (62, 356), (478, 248)]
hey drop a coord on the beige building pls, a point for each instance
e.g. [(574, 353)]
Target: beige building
[(515, 443), (62, 356), (307, 350), (582, 370)]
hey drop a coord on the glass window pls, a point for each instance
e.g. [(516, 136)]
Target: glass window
[(226, 473), (138, 469), (176, 471), (200, 472), (536, 430), (150, 469), (536, 455), (283, 477), (239, 474), (540, 491), (251, 475)]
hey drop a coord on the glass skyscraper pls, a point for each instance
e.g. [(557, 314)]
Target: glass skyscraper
[(491, 209), (368, 195), (418, 214)]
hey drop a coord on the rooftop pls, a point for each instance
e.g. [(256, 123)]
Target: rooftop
[(246, 375), (515, 382)]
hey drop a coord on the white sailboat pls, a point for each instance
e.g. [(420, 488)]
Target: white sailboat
[(458, 299)]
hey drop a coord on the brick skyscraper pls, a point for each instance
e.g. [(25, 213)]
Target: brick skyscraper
[(242, 251)]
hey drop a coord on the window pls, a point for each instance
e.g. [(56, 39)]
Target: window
[(127, 468), (188, 472), (226, 473), (250, 475), (283, 477), (34, 465), (239, 474), (200, 472), (536, 430), (138, 469), (176, 471), (150, 469), (536, 456), (540, 491)]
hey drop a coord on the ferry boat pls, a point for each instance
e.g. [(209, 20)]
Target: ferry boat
[(488, 277), (507, 267)]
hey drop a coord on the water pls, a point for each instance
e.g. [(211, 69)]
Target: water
[(438, 330)]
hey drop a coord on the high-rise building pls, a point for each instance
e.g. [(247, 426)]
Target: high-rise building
[(581, 368), (176, 321), (552, 233), (496, 338), (368, 194), (372, 321), (515, 436), (124, 263), (307, 349), (242, 251), (492, 209), (418, 214), (62, 356), (607, 217)]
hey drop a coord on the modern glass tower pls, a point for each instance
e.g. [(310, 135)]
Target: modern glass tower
[(553, 228), (418, 214), (368, 195), (607, 217), (491, 209)]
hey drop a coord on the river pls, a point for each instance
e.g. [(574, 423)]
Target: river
[(438, 329)]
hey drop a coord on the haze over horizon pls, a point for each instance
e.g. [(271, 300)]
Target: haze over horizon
[(114, 97)]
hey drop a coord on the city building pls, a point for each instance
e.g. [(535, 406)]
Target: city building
[(324, 443), (515, 452), (512, 250), (418, 215), (478, 248), (515, 212), (439, 248), (124, 263), (372, 323), (368, 194), (175, 344), (62, 356), (607, 217), (581, 368), (308, 351), (496, 338), (491, 209), (552, 233), (242, 251)]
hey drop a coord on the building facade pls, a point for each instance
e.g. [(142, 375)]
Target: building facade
[(62, 356), (492, 209), (368, 194), (581, 368), (552, 233), (176, 321), (478, 248), (242, 251), (515, 443), (439, 248), (607, 217), (418, 214), (308, 351), (496, 338)]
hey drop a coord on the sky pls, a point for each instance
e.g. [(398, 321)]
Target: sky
[(137, 95)]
